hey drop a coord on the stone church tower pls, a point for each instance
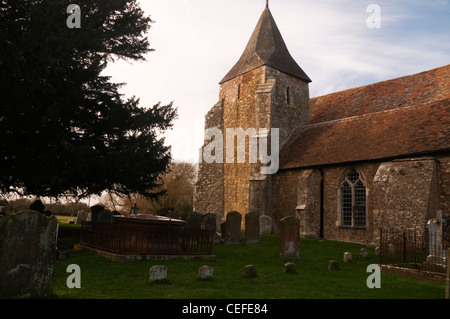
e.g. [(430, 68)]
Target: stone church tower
[(265, 89)]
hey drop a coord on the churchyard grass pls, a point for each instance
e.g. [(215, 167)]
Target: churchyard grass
[(104, 279)]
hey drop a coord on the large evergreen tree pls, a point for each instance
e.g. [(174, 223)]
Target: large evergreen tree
[(64, 127)]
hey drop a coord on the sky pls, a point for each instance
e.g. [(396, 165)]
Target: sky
[(336, 42)]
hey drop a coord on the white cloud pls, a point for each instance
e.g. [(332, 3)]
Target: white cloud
[(197, 43)]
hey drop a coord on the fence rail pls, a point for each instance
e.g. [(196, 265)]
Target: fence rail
[(146, 240), (411, 248)]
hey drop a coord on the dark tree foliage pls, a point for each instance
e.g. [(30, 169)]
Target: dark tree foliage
[(64, 127)]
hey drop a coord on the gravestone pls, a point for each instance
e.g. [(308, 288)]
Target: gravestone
[(289, 238), (333, 265), (233, 228), (436, 254), (81, 217), (194, 221), (158, 273), (209, 222), (105, 216), (95, 210), (205, 272), (265, 225), (27, 254), (289, 268), (249, 271), (347, 257), (252, 232), (363, 254)]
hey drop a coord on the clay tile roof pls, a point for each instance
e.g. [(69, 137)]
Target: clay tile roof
[(408, 116), (419, 88), (266, 47)]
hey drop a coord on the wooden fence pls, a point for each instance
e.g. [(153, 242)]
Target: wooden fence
[(146, 240)]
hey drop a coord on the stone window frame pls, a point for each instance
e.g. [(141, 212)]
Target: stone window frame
[(352, 185)]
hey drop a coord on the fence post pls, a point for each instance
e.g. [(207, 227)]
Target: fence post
[(447, 281)]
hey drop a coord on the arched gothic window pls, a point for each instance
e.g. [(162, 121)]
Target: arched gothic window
[(352, 192)]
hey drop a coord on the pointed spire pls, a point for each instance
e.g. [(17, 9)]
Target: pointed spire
[(266, 47), (267, 4)]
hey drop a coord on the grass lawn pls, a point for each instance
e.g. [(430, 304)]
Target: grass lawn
[(104, 279)]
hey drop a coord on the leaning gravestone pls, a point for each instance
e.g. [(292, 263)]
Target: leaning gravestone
[(194, 221), (289, 238), (265, 225), (27, 254), (233, 228), (81, 217), (209, 222), (252, 228)]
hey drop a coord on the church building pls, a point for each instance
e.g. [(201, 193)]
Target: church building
[(349, 162)]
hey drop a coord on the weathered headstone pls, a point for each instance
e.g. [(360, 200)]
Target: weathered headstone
[(333, 265), (105, 216), (158, 273), (27, 254), (194, 221), (252, 228), (233, 228), (377, 251), (205, 272), (347, 257), (81, 217), (209, 222), (436, 256), (363, 254), (289, 238), (249, 271), (95, 210), (265, 225), (289, 268)]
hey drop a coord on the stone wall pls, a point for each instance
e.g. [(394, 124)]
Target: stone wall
[(400, 193), (406, 193), (444, 184), (209, 188)]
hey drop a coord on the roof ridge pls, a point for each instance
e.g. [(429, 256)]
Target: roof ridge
[(381, 82)]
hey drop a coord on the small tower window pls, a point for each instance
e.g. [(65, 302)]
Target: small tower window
[(239, 92), (288, 96)]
